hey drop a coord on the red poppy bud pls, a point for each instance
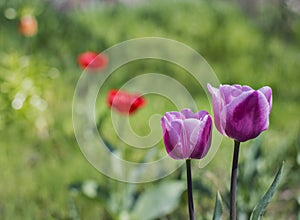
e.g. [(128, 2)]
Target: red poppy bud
[(28, 25), (92, 60), (124, 102)]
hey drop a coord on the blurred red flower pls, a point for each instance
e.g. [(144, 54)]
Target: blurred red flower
[(28, 25), (124, 102), (92, 60)]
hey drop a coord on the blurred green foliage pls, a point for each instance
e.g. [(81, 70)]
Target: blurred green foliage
[(39, 156)]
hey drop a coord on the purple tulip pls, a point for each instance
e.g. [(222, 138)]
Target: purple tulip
[(186, 134), (240, 112)]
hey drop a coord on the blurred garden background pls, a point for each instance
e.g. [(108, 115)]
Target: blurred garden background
[(44, 175)]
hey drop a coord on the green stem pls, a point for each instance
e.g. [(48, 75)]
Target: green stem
[(233, 186), (122, 188), (190, 189)]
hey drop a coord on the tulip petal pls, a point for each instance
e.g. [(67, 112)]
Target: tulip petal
[(190, 136), (173, 115), (201, 114), (182, 131), (219, 109), (187, 113), (171, 138), (175, 133), (172, 128), (267, 91), (248, 117), (173, 150), (203, 138), (230, 93)]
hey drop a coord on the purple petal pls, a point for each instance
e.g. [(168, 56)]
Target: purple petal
[(187, 113), (183, 132), (171, 131), (173, 115), (242, 88), (267, 91), (230, 93), (247, 117), (219, 109), (166, 127), (204, 138), (200, 115), (175, 132), (172, 138), (172, 150), (190, 136)]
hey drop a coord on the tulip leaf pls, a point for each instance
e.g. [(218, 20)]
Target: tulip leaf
[(159, 200), (89, 188), (265, 200), (218, 208)]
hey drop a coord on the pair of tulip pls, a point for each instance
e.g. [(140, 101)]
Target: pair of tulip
[(240, 113)]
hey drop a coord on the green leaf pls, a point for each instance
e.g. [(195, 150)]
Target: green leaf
[(90, 189), (218, 208), (265, 200), (158, 200)]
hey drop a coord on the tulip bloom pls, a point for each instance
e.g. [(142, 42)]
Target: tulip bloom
[(240, 112), (124, 102), (28, 25), (187, 135), (92, 60)]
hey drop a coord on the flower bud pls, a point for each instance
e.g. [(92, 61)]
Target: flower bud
[(124, 102), (28, 25), (92, 60), (187, 135), (240, 112)]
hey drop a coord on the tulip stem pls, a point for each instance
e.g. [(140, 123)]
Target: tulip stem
[(190, 189), (233, 186)]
